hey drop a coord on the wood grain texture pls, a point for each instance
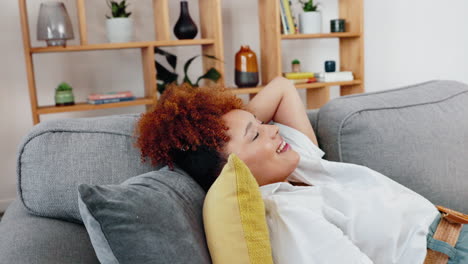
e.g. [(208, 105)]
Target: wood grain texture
[(86, 107), (80, 4), (270, 39), (28, 60), (316, 98), (323, 35), (211, 28), (125, 45), (149, 74), (352, 49), (161, 20), (317, 85)]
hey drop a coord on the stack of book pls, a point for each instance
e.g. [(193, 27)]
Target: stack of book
[(288, 19), (335, 76), (300, 77), (110, 97)]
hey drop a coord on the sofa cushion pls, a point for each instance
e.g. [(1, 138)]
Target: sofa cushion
[(416, 135), (25, 238), (58, 155), (152, 218)]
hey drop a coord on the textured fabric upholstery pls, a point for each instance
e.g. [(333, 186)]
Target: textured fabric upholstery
[(58, 155), (312, 115), (416, 135), (25, 238), (151, 218)]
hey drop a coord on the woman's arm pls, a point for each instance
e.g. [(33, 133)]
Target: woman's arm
[(279, 101)]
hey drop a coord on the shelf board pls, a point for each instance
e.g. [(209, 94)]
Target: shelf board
[(125, 45), (326, 84), (86, 107), (252, 90), (324, 35)]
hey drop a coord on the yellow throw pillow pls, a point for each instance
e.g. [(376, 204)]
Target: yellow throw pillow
[(234, 217)]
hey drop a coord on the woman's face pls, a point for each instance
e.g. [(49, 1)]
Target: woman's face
[(259, 145)]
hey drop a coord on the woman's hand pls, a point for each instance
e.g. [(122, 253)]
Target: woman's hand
[(279, 101)]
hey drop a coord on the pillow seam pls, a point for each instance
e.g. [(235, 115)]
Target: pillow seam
[(102, 230), (236, 167)]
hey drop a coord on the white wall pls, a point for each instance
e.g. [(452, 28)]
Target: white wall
[(413, 41), (405, 42)]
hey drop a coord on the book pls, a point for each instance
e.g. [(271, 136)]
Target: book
[(111, 100), (305, 80), (110, 95), (298, 75), (284, 22), (335, 76), (293, 16), (287, 9)]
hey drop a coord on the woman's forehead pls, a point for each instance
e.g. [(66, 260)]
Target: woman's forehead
[(237, 117), (237, 120)]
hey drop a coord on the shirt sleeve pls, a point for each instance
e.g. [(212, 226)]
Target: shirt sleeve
[(300, 235)]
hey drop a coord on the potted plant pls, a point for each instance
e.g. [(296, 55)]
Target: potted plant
[(165, 76), (119, 25), (64, 95), (310, 22)]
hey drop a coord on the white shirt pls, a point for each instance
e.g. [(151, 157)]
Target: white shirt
[(351, 214)]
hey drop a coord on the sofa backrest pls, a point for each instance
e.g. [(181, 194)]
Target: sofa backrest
[(416, 135), (56, 156)]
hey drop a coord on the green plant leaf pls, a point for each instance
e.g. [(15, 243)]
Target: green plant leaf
[(308, 5), (63, 86), (118, 9), (165, 75), (170, 58), (211, 74), (186, 66), (161, 87)]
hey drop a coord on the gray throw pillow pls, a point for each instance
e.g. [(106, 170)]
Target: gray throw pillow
[(152, 218)]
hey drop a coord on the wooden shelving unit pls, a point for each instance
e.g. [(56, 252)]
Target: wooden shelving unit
[(211, 41), (351, 49), (86, 107), (130, 45)]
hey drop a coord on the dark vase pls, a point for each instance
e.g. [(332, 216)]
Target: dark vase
[(246, 69), (185, 28)]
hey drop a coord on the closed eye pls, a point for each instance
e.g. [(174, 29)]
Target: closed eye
[(256, 136)]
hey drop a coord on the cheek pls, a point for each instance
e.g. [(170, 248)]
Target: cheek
[(267, 170)]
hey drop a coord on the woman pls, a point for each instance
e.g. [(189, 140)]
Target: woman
[(317, 211)]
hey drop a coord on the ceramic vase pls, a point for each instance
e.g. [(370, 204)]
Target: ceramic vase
[(53, 24), (185, 28), (310, 22), (63, 98), (119, 29), (246, 68)]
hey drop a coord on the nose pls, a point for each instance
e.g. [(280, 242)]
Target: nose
[(274, 130)]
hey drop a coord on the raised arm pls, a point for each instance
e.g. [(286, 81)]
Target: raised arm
[(279, 101)]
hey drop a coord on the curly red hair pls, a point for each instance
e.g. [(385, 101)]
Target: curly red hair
[(184, 119)]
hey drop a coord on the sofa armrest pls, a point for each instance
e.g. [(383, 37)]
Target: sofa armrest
[(26, 238)]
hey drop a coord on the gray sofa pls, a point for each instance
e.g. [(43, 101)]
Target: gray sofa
[(416, 135)]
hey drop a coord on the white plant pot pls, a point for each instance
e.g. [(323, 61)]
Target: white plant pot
[(310, 22), (119, 29)]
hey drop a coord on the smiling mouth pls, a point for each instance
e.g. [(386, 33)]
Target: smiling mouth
[(283, 147)]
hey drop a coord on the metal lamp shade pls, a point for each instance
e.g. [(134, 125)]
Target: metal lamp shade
[(54, 25)]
